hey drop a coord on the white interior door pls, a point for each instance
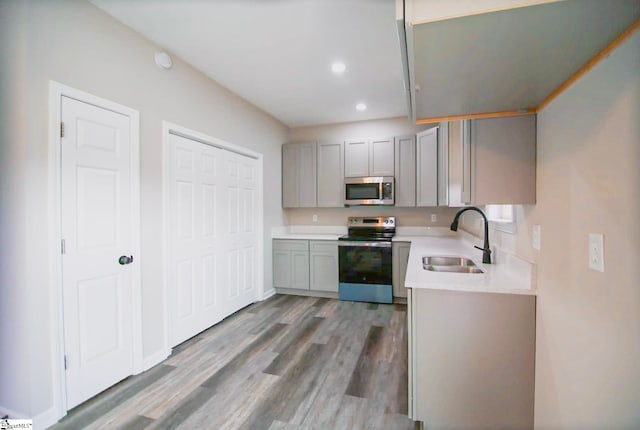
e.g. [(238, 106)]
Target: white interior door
[(97, 228), (212, 235)]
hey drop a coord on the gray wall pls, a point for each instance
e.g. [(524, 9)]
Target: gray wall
[(76, 44), (588, 329), (588, 181)]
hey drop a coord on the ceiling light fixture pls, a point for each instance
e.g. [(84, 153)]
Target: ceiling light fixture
[(163, 60), (361, 107), (338, 67)]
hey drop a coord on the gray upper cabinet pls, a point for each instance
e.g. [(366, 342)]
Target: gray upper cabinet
[(368, 157), (405, 171), (356, 158), (299, 175), (330, 174), (503, 60), (381, 157), (498, 158), (427, 168)]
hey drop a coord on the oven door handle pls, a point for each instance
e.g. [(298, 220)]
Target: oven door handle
[(365, 244)]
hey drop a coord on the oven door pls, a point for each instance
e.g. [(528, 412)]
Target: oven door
[(365, 271)]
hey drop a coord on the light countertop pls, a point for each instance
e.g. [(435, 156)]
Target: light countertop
[(509, 275), (305, 236), (308, 232)]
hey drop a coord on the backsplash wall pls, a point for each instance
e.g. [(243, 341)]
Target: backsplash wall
[(518, 243), (415, 217)]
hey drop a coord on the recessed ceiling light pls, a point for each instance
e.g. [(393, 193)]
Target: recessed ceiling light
[(361, 107), (338, 67), (163, 60)]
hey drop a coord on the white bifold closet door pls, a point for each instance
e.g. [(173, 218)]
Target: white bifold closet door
[(213, 201)]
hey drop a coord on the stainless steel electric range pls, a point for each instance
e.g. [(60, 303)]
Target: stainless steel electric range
[(365, 260)]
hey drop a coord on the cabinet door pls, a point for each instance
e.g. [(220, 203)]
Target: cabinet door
[(466, 161), (381, 157), (493, 391), (443, 164), (400, 260), (299, 175), (289, 176), (356, 158), (300, 270), (455, 168), (405, 160), (427, 168), (281, 268), (291, 264), (331, 174), (307, 175), (504, 160), (323, 265)]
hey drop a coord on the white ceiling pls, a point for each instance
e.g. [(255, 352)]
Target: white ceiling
[(277, 53)]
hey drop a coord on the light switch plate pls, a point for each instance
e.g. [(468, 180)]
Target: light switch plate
[(596, 252), (314, 218), (535, 237)]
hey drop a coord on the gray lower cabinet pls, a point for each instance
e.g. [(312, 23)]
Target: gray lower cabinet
[(323, 265), (291, 264), (399, 269), (471, 359), (305, 265)]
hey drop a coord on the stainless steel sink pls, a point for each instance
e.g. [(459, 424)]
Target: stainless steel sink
[(447, 261), (450, 265)]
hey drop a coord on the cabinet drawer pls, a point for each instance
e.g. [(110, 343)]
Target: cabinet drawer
[(290, 245), (323, 246)]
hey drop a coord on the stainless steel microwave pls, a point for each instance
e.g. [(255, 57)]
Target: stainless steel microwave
[(372, 190)]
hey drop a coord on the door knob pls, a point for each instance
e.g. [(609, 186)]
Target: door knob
[(125, 260)]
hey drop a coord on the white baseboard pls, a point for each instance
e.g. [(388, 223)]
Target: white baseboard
[(45, 419), (267, 294), (11, 413), (40, 421), (155, 359)]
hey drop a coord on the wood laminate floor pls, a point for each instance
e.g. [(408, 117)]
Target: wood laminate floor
[(287, 363)]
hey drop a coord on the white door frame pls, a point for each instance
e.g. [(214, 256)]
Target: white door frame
[(168, 129), (56, 92)]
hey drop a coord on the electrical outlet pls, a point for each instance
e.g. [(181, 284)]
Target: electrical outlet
[(434, 218), (596, 252), (535, 237), (314, 218)]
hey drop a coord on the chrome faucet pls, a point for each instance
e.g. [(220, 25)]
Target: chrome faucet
[(486, 251)]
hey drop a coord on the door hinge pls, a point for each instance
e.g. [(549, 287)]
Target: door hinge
[(63, 246), (65, 362), (62, 129)]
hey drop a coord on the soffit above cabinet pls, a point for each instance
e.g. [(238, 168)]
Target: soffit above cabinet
[(508, 60)]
